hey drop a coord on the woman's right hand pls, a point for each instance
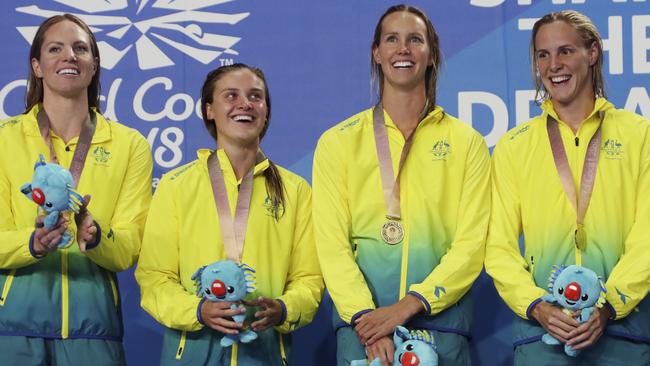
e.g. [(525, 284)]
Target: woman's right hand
[(554, 320), (218, 316), (47, 240)]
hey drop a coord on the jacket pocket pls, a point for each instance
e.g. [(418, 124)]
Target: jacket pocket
[(355, 248), (532, 266), (181, 346), (111, 282), (283, 353), (6, 287)]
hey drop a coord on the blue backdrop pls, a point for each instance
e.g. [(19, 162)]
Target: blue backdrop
[(156, 53)]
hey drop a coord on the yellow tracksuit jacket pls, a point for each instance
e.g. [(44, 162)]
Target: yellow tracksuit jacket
[(68, 294), (527, 196), (183, 234), (445, 203)]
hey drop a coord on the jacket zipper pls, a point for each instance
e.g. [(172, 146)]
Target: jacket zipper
[(578, 253), (64, 294)]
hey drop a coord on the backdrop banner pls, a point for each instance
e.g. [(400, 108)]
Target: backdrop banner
[(155, 55)]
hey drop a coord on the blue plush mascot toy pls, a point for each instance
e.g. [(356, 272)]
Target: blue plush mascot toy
[(574, 288), (52, 190), (227, 281), (414, 348)]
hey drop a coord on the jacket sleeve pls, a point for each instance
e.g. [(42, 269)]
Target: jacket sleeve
[(332, 222), (629, 281), (121, 237), (304, 287), (14, 242), (162, 294), (463, 262), (503, 261)]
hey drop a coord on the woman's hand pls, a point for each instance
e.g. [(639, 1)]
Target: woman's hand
[(554, 320), (47, 240), (269, 316), (86, 229), (588, 333), (218, 316), (384, 349), (381, 322)]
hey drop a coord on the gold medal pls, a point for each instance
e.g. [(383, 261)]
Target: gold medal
[(392, 232), (581, 237)]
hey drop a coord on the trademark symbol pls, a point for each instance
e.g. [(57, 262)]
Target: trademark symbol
[(226, 61)]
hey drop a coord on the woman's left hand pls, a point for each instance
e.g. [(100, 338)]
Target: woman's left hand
[(86, 229), (269, 316), (382, 322), (588, 333)]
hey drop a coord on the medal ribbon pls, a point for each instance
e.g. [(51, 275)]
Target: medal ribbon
[(581, 203), (83, 143), (389, 184), (233, 232)]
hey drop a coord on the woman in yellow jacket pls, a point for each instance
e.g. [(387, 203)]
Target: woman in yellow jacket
[(580, 143), (190, 226), (62, 306), (400, 234)]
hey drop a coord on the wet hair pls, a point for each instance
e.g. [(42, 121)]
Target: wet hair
[(588, 34), (274, 185), (435, 54), (34, 94)]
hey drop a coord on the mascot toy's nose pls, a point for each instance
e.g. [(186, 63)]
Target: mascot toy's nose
[(218, 288), (572, 291), (410, 359), (38, 196)]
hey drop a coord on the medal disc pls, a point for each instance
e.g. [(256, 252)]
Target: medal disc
[(392, 232)]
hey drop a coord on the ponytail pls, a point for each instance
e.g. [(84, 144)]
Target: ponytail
[(275, 190)]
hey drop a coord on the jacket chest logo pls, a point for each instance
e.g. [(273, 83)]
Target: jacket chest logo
[(101, 155), (613, 149), (273, 210), (441, 150)]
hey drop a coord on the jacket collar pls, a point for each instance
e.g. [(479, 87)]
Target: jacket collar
[(601, 104), (102, 131), (228, 172)]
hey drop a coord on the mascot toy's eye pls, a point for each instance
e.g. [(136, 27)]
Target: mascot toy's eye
[(231, 289), (560, 290), (409, 347), (218, 288), (585, 297)]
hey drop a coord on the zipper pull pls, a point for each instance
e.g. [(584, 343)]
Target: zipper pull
[(577, 141)]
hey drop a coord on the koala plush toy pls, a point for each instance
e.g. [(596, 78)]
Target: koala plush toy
[(412, 348), (52, 190), (227, 281), (574, 288)]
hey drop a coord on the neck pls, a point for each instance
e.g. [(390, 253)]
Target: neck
[(242, 158), (575, 113), (404, 107), (66, 115)]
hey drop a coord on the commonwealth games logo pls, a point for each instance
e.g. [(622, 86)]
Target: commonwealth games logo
[(148, 25), (441, 149)]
